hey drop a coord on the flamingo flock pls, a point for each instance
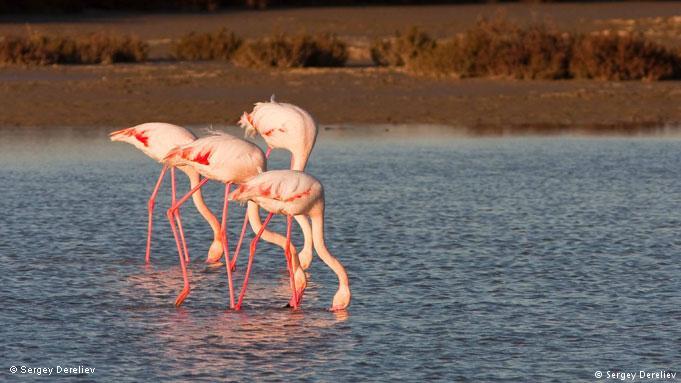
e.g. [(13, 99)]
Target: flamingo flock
[(230, 160)]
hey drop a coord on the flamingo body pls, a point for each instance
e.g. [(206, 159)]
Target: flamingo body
[(221, 157), (230, 160), (287, 192), (289, 127), (155, 139), (295, 193), (283, 126)]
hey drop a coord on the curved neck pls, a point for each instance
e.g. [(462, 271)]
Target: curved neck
[(317, 218), (197, 197), (299, 161), (300, 156)]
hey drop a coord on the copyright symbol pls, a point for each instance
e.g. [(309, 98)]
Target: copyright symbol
[(13, 369), (599, 374)]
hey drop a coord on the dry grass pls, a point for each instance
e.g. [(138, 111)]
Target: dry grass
[(402, 49), (219, 45), (502, 48), (623, 57), (303, 50), (499, 48), (37, 49), (98, 48), (491, 48)]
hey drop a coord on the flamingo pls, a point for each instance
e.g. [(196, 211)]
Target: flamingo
[(293, 193), (229, 160), (289, 127), (156, 139)]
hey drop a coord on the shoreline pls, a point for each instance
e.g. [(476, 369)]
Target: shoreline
[(213, 93), (204, 93)]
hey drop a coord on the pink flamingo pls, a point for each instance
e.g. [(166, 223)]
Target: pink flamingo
[(229, 160), (292, 193), (289, 127), (156, 139)]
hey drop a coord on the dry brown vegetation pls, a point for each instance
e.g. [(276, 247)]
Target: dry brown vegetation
[(283, 51), (623, 57), (98, 48), (219, 45), (491, 48), (403, 49), (499, 47)]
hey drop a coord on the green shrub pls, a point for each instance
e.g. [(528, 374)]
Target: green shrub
[(219, 45)]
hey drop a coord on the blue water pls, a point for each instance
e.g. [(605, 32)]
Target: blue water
[(518, 260)]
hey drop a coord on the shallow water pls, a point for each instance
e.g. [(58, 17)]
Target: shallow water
[(526, 259)]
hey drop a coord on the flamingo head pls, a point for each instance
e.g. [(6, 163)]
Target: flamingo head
[(122, 135), (342, 298), (305, 257), (301, 280), (246, 122), (136, 136), (301, 284), (215, 252)]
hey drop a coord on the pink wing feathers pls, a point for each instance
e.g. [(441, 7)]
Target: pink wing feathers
[(198, 152), (281, 185)]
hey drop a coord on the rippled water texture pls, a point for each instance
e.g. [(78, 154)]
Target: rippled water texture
[(527, 259)]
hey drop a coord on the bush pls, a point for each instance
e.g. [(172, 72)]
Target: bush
[(100, 48), (97, 48), (537, 51), (499, 48), (219, 45), (402, 49), (37, 49), (623, 57), (302, 50)]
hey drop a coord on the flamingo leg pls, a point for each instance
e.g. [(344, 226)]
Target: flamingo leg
[(254, 244), (225, 244), (238, 245), (185, 290), (150, 208), (188, 195), (177, 215), (289, 264), (171, 214)]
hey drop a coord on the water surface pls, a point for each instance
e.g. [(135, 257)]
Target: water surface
[(526, 259)]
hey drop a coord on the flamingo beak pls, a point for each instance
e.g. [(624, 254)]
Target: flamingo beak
[(119, 134)]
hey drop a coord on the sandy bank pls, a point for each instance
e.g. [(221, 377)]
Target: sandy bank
[(208, 93)]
